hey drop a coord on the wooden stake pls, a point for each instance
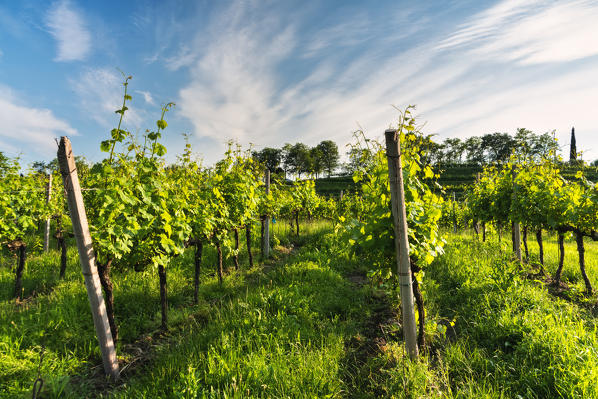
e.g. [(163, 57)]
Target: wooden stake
[(248, 237), (266, 236), (516, 227), (87, 257), (397, 195), (47, 230), (454, 215)]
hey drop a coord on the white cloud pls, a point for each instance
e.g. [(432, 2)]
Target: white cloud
[(497, 71), (68, 28), (24, 127), (147, 96), (232, 84), (485, 24), (237, 90), (557, 103), (101, 93), (532, 32)]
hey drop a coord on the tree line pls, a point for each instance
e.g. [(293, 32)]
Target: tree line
[(299, 159), (491, 148), (324, 159)]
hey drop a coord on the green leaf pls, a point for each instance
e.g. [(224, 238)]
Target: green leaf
[(160, 149), (161, 124), (105, 146)]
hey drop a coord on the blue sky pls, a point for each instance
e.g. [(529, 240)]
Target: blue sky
[(268, 73)]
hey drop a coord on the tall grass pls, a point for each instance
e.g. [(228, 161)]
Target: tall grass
[(512, 337), (571, 273), (55, 313)]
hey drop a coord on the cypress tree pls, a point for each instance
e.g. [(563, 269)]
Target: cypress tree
[(573, 153)]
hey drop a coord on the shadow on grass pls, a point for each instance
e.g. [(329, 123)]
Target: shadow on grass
[(40, 277), (278, 333)]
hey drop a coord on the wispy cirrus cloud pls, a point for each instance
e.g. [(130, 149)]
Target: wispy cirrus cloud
[(100, 92), (532, 64), (232, 85), (68, 27), (184, 57), (495, 70), (23, 125), (531, 32)]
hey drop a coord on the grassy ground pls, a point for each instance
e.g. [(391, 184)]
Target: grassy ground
[(55, 314), (511, 338), (306, 323), (571, 273)]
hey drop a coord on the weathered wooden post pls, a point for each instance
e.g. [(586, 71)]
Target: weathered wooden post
[(47, 230), (516, 227), (454, 215), (66, 160), (397, 195), (266, 236)]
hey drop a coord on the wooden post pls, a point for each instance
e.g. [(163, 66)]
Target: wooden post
[(266, 235), (516, 227), (47, 230), (248, 237), (397, 195), (87, 257), (454, 215), (483, 231), (340, 196)]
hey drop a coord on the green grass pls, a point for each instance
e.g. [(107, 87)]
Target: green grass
[(306, 324), (55, 314), (571, 274), (513, 337), (279, 334)]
